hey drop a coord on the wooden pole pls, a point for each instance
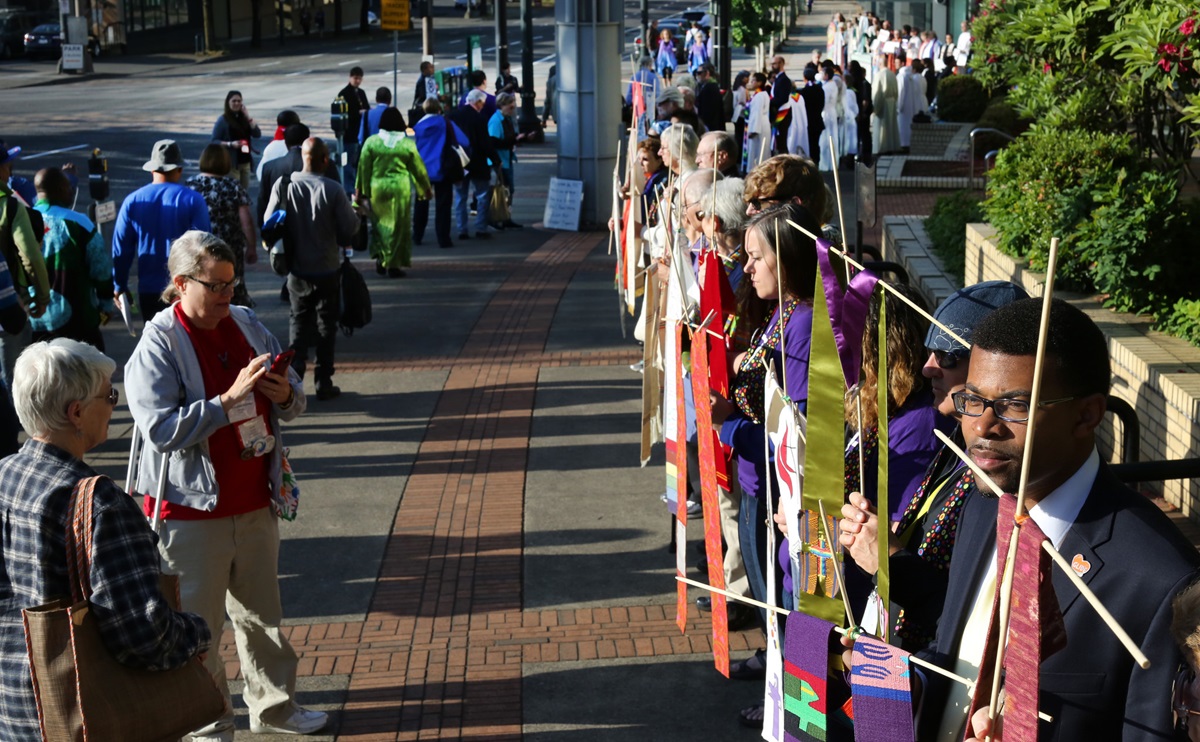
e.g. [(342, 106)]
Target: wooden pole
[(889, 288), (1130, 645), (784, 612), (1035, 396)]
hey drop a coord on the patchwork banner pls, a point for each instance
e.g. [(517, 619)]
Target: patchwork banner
[(881, 686), (805, 673)]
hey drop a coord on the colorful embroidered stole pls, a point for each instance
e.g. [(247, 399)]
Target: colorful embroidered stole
[(805, 673), (1035, 628), (708, 497), (881, 684)]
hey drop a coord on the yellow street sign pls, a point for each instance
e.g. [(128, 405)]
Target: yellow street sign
[(394, 15)]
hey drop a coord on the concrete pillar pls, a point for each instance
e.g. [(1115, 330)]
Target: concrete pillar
[(589, 42)]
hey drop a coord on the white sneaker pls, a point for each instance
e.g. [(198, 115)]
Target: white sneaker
[(640, 367), (302, 721), (226, 736), (694, 508)]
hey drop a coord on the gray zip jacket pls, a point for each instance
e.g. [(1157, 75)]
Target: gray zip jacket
[(165, 389)]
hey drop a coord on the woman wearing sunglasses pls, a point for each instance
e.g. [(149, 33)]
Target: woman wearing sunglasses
[(202, 390), (923, 538)]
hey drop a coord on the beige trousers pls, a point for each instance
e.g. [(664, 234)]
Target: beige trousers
[(232, 564)]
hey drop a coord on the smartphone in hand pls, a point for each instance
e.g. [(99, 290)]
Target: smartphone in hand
[(279, 366)]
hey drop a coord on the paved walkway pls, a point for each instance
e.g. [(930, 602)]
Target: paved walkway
[(478, 555)]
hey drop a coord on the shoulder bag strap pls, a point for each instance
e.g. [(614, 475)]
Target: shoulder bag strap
[(80, 538)]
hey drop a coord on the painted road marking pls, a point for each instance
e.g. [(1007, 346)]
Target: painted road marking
[(54, 152)]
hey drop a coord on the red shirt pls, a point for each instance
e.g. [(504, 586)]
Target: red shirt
[(244, 484)]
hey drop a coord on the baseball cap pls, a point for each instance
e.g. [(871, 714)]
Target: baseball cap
[(8, 153), (164, 157), (963, 310)]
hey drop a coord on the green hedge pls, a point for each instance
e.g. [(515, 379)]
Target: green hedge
[(998, 115), (961, 98), (1123, 229), (947, 229)]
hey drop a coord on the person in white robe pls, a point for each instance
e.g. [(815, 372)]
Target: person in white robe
[(758, 125), (962, 48), (797, 137), (884, 93), (835, 92), (849, 122), (908, 85)]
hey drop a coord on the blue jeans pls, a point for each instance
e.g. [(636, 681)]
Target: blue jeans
[(462, 191), (752, 533)]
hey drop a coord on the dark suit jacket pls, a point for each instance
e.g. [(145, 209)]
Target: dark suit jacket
[(780, 94), (814, 104), (710, 105), (474, 125), (1092, 688)]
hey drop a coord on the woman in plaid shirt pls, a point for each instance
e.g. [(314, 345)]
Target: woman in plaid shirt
[(64, 397)]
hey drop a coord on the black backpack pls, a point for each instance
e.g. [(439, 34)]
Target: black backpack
[(356, 300)]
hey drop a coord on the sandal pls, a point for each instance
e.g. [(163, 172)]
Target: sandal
[(752, 717), (753, 667)]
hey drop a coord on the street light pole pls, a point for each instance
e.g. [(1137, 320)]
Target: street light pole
[(501, 23), (645, 25), (527, 122)]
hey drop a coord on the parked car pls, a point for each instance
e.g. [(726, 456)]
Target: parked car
[(14, 24), (44, 41)]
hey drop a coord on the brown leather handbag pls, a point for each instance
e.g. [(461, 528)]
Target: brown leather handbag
[(83, 693)]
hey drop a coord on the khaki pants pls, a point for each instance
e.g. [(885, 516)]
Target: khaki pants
[(735, 568), (232, 564)]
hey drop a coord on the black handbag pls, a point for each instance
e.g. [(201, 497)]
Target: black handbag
[(356, 299)]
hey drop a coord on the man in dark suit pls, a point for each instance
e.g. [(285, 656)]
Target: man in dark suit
[(813, 96), (710, 103), (781, 92), (1129, 554), (470, 120)]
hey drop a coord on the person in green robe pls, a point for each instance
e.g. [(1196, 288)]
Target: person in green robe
[(388, 168)]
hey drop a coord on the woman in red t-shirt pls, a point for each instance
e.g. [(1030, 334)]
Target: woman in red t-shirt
[(203, 392)]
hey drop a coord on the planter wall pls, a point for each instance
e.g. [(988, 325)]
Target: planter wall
[(1157, 374)]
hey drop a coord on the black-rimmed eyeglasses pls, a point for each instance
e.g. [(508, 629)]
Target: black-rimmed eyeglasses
[(224, 287), (1009, 410)]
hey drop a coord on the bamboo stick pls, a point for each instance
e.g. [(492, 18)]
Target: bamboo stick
[(1035, 396), (888, 287), (783, 612), (1130, 645)]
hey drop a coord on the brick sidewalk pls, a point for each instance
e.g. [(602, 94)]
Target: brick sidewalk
[(440, 653)]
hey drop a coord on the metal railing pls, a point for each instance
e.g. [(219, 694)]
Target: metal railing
[(1131, 470), (989, 161), (981, 130)]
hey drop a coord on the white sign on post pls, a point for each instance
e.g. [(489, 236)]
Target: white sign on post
[(72, 56), (106, 211), (564, 205)]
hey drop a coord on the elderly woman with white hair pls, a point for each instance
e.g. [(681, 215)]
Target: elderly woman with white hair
[(208, 387), (64, 397)]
